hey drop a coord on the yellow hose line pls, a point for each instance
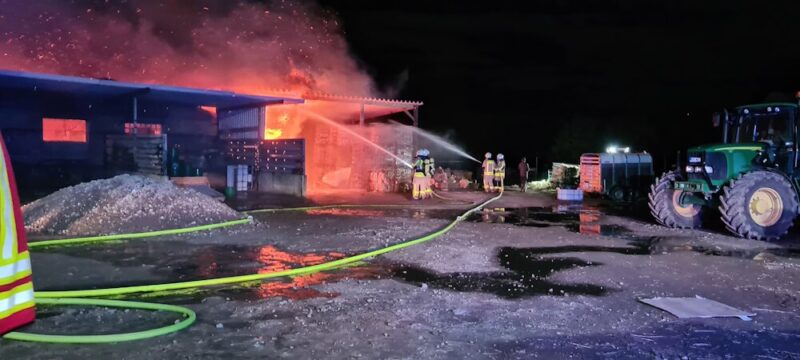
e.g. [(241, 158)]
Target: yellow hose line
[(252, 277), (189, 319), (89, 239), (450, 199)]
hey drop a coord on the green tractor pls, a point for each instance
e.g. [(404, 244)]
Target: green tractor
[(752, 178)]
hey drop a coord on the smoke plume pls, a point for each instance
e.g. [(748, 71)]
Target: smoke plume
[(241, 46)]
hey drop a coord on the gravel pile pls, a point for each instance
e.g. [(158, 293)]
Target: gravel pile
[(122, 204)]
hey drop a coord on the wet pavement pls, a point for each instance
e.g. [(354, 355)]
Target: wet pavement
[(589, 220), (542, 279)]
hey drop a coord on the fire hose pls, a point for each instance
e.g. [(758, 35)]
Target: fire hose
[(85, 297)]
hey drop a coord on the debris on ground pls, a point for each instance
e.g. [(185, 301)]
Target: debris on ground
[(696, 307), (125, 203)]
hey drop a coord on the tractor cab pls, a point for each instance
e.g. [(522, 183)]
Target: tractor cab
[(761, 122), (770, 126)]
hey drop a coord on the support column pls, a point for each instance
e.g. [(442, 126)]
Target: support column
[(135, 130), (361, 117), (416, 116)]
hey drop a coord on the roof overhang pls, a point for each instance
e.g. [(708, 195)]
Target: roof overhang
[(106, 89)]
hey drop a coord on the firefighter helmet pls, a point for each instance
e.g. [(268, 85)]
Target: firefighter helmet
[(500, 157), (488, 155)]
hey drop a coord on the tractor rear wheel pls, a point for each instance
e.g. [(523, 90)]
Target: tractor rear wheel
[(666, 207), (759, 205)]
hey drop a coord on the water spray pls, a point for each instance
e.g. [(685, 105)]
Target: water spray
[(439, 141), (357, 135)]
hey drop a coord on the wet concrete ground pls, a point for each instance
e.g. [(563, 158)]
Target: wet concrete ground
[(525, 278)]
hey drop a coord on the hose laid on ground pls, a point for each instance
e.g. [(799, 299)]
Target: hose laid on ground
[(82, 240), (189, 319), (450, 199), (78, 297)]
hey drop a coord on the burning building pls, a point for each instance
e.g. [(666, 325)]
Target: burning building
[(61, 130), (349, 139)]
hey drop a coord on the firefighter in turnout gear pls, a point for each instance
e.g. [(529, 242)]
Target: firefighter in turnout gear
[(500, 173), (488, 173), (418, 182), (16, 286), (430, 168)]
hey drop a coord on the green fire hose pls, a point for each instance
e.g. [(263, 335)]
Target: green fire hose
[(189, 319), (139, 235), (82, 297)]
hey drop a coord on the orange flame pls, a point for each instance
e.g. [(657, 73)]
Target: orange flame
[(270, 134)]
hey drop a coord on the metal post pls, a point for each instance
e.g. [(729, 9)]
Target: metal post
[(414, 135), (361, 117), (135, 130), (135, 115)]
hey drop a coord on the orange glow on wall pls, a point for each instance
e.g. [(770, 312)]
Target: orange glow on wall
[(212, 110), (143, 129), (63, 130)]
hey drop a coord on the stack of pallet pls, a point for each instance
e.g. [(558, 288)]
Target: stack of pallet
[(142, 154)]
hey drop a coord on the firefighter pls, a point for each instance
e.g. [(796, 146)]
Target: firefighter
[(430, 168), (418, 182), (441, 180), (500, 173), (16, 286), (373, 181), (524, 170), (488, 173)]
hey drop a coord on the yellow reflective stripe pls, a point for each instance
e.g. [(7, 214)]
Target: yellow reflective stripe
[(22, 287), (21, 298), (16, 309), (20, 256), (4, 295), (11, 279)]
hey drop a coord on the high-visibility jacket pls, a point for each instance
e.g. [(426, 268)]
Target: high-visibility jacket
[(427, 167), (419, 166), (488, 167), (500, 169), (16, 287), (431, 168)]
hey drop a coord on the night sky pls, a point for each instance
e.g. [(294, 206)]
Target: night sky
[(557, 78)]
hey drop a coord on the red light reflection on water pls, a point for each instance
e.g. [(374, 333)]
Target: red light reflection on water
[(219, 262), (299, 287), (347, 212)]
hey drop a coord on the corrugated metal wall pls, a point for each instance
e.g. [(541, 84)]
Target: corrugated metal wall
[(239, 124)]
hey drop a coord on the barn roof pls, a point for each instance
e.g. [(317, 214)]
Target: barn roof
[(100, 88)]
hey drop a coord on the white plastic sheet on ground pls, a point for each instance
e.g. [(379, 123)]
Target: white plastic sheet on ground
[(695, 307)]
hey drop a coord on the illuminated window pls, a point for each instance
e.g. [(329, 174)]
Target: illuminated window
[(63, 130), (143, 129)]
